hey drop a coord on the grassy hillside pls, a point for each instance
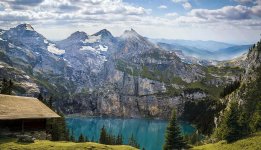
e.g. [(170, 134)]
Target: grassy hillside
[(251, 143), (6, 144)]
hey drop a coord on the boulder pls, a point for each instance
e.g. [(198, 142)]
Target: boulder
[(25, 138)]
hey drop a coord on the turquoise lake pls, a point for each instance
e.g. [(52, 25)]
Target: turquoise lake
[(148, 133)]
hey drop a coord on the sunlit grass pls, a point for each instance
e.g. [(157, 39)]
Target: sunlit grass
[(6, 144), (251, 143)]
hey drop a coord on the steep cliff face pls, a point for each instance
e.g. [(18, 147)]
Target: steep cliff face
[(103, 75), (251, 76), (140, 79), (247, 95)]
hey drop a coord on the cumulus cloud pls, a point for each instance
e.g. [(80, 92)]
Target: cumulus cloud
[(69, 11), (162, 7), (238, 12), (185, 3), (119, 14)]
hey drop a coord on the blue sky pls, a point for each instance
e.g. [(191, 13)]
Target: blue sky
[(233, 21)]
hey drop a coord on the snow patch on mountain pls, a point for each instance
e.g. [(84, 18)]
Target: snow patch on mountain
[(28, 27), (2, 32), (53, 49), (103, 48), (45, 41), (11, 45), (96, 49), (87, 48)]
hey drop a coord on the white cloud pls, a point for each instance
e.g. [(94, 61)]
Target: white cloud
[(179, 1), (172, 14), (185, 3), (61, 17), (162, 7), (70, 11), (238, 12)]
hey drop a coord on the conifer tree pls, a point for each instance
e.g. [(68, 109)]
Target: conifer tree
[(50, 102), (10, 87), (255, 122), (243, 122), (133, 142), (40, 97), (173, 139), (119, 140), (81, 138), (103, 136), (232, 132), (7, 87), (72, 137)]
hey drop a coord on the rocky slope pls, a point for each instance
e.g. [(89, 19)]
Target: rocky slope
[(100, 74), (248, 94)]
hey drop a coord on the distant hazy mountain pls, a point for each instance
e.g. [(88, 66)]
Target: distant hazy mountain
[(209, 50), (203, 45), (188, 51), (230, 52)]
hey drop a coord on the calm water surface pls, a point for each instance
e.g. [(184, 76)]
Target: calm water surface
[(148, 133)]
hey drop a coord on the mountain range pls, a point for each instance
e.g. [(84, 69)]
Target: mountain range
[(103, 75), (206, 50)]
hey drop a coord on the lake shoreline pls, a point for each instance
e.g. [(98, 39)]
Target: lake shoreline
[(112, 117), (140, 128)]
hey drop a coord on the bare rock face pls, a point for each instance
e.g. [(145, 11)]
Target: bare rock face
[(102, 75)]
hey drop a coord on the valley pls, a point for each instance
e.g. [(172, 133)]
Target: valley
[(130, 79)]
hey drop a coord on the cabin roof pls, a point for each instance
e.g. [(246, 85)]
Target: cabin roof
[(18, 107)]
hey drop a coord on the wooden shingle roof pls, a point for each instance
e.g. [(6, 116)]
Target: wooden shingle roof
[(18, 107)]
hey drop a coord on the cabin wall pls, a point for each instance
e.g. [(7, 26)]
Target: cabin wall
[(27, 124), (33, 127)]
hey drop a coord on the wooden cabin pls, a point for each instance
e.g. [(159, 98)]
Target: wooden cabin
[(22, 114)]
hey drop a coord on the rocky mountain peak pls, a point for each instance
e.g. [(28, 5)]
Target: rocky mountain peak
[(104, 33), (78, 35), (24, 27), (130, 34)]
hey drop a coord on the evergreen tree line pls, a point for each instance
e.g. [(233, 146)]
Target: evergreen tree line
[(55, 126), (7, 87), (242, 120), (230, 88), (237, 123), (81, 138), (201, 113), (106, 138), (109, 139)]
